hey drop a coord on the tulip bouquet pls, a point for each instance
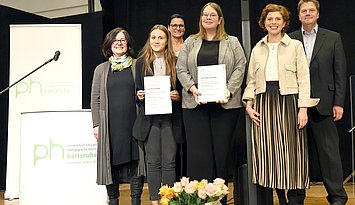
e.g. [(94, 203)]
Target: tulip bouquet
[(194, 192)]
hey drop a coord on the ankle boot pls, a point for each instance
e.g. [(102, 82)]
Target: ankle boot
[(113, 202), (113, 193), (136, 186), (136, 201), (296, 196), (281, 196)]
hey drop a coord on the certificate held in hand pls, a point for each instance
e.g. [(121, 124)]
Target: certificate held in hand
[(211, 82), (157, 95)]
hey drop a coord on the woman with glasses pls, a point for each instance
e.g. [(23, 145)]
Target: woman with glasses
[(209, 126), (176, 27), (113, 110), (159, 132)]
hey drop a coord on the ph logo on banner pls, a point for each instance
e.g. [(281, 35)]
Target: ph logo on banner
[(28, 87), (48, 151)]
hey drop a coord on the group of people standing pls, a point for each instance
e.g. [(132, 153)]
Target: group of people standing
[(291, 80)]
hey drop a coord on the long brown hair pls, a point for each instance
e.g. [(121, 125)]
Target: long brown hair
[(220, 33), (147, 54)]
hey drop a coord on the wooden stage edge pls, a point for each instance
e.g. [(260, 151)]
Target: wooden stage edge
[(315, 195)]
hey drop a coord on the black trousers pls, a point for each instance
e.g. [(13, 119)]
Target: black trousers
[(325, 135), (209, 130)]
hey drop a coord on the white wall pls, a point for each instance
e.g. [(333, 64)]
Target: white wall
[(51, 8)]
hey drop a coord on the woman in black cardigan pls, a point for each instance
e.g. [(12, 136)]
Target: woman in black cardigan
[(159, 132)]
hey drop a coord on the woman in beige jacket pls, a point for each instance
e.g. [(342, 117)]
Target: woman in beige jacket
[(277, 96)]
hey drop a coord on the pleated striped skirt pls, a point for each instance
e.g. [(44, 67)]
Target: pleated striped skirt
[(280, 155)]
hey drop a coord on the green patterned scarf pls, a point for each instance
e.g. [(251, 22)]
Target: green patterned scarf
[(120, 63)]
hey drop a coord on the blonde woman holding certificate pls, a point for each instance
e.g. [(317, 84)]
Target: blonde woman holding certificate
[(209, 126)]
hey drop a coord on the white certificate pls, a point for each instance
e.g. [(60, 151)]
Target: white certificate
[(211, 82), (157, 95)]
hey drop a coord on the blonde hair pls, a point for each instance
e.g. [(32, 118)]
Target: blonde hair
[(147, 54), (221, 33)]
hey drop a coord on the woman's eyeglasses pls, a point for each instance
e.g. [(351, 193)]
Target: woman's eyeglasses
[(211, 15), (120, 41), (176, 26)]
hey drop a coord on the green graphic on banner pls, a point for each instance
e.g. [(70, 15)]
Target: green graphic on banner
[(31, 86), (83, 153), (42, 151), (27, 86)]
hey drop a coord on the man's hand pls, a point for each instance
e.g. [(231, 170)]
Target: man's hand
[(337, 112)]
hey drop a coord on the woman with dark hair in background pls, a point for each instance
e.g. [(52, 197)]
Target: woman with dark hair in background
[(159, 132), (113, 111), (176, 27)]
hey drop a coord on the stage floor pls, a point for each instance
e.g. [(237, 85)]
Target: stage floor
[(315, 195)]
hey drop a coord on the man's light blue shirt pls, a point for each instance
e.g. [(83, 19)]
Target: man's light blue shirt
[(309, 38)]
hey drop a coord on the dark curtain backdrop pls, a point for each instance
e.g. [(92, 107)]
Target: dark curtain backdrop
[(138, 16), (338, 16)]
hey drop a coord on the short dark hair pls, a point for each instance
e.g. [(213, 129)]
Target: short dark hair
[(179, 16), (110, 37), (306, 1)]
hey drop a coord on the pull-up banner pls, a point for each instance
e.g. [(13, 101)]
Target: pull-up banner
[(56, 86), (58, 159)]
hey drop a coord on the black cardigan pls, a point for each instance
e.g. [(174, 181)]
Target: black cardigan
[(143, 123)]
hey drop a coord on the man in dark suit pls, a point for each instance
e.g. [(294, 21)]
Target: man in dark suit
[(327, 63)]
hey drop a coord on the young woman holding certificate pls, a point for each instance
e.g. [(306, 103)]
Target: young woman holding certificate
[(208, 142), (159, 132)]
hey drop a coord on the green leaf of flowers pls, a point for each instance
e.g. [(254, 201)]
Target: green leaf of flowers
[(212, 199), (174, 203)]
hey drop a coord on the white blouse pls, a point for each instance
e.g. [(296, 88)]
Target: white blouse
[(271, 70)]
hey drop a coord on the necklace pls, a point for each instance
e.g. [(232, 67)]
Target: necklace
[(159, 62), (273, 45)]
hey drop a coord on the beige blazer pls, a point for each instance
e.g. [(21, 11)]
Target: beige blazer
[(293, 71), (230, 53)]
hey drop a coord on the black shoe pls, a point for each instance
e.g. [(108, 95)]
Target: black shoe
[(281, 196), (113, 202), (337, 203), (136, 201)]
